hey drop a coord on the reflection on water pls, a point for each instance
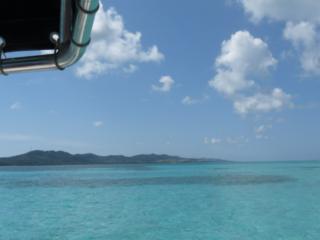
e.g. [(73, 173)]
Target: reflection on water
[(220, 180)]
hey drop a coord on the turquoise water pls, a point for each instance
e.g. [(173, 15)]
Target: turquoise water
[(262, 201)]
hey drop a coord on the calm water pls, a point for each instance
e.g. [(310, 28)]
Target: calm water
[(149, 202)]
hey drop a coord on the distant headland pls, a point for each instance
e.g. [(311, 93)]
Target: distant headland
[(47, 158)]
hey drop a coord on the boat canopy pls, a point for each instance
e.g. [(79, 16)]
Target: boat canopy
[(62, 26)]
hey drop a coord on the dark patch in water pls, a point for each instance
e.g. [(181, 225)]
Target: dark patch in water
[(132, 167), (220, 180)]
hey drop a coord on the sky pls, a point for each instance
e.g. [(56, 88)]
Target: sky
[(231, 79)]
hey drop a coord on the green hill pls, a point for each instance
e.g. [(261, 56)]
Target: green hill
[(40, 158)]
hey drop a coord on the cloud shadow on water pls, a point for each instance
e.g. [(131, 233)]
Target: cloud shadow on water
[(218, 180)]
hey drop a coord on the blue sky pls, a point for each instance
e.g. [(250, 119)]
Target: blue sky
[(231, 79)]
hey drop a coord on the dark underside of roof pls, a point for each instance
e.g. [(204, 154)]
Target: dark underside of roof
[(27, 24)]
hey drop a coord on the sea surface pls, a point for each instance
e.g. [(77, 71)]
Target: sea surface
[(263, 201)]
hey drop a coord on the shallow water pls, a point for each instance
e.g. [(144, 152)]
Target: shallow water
[(189, 201)]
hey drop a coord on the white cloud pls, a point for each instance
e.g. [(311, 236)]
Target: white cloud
[(305, 39), (229, 82), (276, 100), (166, 83), (301, 34), (243, 48), (213, 141), (283, 10), (98, 124), (302, 26), (187, 100), (206, 140), (113, 46), (131, 68), (228, 140), (16, 106), (242, 56), (261, 130)]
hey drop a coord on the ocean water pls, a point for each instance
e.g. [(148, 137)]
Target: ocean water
[(263, 201)]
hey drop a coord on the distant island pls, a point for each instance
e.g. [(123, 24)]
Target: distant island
[(47, 158)]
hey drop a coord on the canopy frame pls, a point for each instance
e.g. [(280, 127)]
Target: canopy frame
[(73, 38)]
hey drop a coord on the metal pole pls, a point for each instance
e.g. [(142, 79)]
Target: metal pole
[(80, 38)]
